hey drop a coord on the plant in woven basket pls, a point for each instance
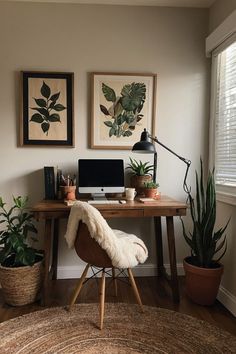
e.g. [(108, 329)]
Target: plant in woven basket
[(17, 222)]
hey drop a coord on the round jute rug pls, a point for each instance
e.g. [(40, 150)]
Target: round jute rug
[(126, 331)]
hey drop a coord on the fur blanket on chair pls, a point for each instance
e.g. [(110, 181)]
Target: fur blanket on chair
[(125, 250)]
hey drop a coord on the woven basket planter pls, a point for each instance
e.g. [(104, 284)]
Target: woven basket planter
[(21, 285), (137, 182)]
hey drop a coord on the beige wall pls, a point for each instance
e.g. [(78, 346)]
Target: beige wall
[(83, 39), (219, 11)]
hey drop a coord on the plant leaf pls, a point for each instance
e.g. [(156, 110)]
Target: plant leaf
[(54, 118), (108, 123), (109, 93), (37, 118), (40, 102), (45, 90), (104, 110), (55, 97), (45, 126), (42, 111), (59, 107)]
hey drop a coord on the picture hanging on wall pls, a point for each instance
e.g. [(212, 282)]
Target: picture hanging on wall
[(47, 109), (122, 106)]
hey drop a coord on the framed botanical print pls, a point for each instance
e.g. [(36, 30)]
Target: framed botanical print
[(47, 109), (122, 106)]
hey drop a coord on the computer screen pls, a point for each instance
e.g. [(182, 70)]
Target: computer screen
[(100, 176)]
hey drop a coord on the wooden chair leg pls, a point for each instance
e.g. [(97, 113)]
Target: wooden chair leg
[(135, 289), (102, 298), (114, 279), (78, 287)]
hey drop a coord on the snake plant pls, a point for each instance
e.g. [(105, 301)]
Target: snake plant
[(139, 168), (204, 241)]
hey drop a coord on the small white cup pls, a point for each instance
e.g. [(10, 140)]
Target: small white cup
[(130, 193)]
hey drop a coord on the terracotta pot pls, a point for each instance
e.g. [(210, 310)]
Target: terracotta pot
[(68, 192), (137, 182), (202, 284), (150, 192)]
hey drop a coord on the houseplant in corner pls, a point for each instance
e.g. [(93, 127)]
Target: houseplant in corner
[(141, 173), (150, 189), (21, 265), (203, 269)]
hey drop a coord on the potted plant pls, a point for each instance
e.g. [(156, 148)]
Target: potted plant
[(140, 174), (203, 269), (150, 189), (20, 264)]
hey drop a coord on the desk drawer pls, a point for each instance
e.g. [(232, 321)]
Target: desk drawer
[(125, 213)]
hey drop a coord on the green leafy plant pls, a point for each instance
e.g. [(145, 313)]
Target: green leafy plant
[(14, 250), (140, 168), (151, 185), (47, 108), (204, 242), (125, 109)]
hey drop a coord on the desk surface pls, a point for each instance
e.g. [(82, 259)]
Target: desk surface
[(162, 207)]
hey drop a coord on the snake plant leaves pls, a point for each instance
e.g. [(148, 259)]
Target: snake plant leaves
[(40, 102), (109, 93), (37, 118), (45, 90)]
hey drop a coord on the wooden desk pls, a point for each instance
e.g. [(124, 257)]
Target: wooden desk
[(53, 210)]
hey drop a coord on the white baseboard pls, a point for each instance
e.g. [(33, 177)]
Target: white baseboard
[(145, 270), (227, 299)]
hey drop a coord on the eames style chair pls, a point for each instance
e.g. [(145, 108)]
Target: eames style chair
[(102, 247)]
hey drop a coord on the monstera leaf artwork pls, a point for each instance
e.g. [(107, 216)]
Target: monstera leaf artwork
[(124, 111), (47, 108)]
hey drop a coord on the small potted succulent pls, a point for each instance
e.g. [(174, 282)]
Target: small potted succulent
[(203, 269), (141, 172), (150, 189), (20, 264)]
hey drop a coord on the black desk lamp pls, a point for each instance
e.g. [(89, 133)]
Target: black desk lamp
[(144, 146)]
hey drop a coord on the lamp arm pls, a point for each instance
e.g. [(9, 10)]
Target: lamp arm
[(186, 161)]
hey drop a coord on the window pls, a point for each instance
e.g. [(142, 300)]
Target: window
[(223, 142)]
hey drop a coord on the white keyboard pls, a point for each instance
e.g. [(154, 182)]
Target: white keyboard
[(106, 201)]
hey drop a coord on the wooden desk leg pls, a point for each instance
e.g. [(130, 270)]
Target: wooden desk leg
[(55, 249), (159, 245), (47, 252), (172, 256)]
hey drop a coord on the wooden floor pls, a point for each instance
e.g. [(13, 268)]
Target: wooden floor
[(153, 291)]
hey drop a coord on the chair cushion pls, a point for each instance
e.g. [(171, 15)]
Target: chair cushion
[(125, 250)]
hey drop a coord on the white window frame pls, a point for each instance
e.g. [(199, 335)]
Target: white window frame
[(226, 194)]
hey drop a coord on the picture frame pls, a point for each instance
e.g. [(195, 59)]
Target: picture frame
[(47, 114), (122, 105)]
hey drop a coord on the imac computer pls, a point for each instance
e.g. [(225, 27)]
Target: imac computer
[(100, 176)]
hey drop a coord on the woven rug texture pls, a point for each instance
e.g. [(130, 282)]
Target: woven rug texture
[(126, 331)]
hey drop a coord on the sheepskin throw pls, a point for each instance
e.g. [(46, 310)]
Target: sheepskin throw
[(125, 250)]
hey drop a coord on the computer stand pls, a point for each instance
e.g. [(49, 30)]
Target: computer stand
[(98, 196)]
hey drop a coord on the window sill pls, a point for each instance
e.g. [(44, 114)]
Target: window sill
[(226, 198)]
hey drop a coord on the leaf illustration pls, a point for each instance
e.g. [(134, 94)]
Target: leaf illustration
[(133, 96), (112, 132), (37, 118), (45, 90), (104, 110), (40, 102), (43, 111), (52, 104), (54, 118), (59, 107), (108, 123), (109, 93), (127, 133), (121, 119), (55, 97), (45, 127)]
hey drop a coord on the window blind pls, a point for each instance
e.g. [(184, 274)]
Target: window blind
[(225, 117)]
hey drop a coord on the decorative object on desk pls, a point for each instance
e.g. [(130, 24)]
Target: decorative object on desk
[(47, 117), (130, 193), (146, 147), (203, 272), (21, 265), (140, 174), (68, 187), (50, 182), (122, 104), (150, 189), (126, 330)]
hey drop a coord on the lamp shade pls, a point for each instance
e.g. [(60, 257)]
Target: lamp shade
[(144, 146)]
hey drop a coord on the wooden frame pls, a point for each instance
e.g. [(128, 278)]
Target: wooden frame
[(122, 106), (47, 109)]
